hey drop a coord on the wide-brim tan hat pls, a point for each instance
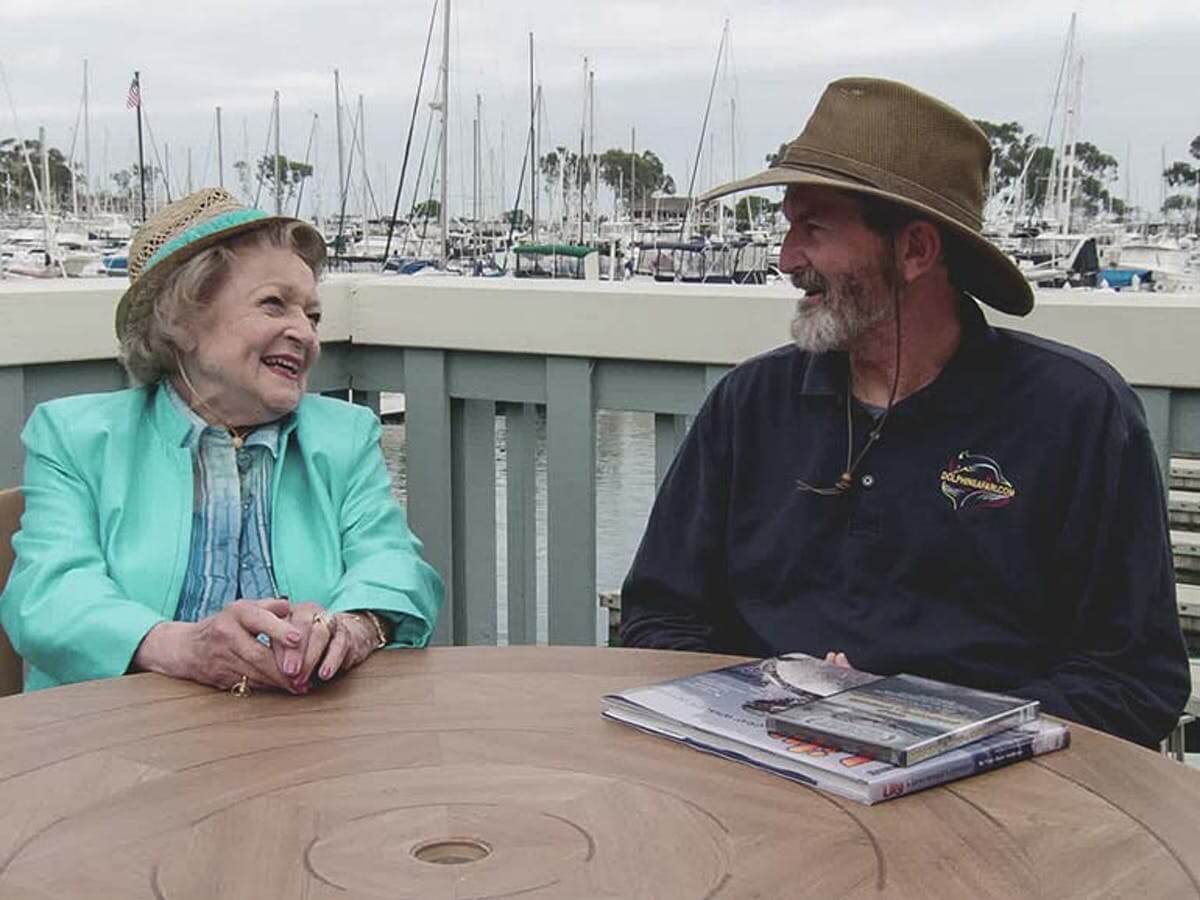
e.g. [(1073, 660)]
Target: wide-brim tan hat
[(886, 139), (179, 231)]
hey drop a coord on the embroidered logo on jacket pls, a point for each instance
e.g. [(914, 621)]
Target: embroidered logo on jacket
[(972, 481)]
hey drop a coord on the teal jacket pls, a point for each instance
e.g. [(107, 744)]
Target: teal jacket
[(105, 538)]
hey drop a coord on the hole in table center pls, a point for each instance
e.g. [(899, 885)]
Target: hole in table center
[(452, 851)]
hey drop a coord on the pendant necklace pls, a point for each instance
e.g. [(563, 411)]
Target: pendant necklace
[(238, 439)]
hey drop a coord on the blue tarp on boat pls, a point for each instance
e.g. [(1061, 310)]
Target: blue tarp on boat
[(1118, 277)]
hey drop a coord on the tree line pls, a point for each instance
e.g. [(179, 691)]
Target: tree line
[(1016, 152), (120, 187), (1181, 174), (633, 177)]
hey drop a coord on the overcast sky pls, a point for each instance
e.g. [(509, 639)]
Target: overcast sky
[(653, 63)]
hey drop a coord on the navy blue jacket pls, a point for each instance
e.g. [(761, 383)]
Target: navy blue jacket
[(1008, 531)]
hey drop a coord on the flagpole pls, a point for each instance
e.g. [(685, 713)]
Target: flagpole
[(137, 80)]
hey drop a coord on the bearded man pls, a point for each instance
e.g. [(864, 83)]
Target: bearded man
[(904, 486)]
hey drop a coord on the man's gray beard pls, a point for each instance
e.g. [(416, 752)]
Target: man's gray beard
[(842, 316)]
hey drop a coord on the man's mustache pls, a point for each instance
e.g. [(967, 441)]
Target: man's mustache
[(810, 281)]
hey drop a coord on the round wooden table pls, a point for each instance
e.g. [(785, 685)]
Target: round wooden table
[(488, 772)]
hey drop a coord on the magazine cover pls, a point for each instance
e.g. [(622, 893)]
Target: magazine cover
[(724, 712), (904, 719)]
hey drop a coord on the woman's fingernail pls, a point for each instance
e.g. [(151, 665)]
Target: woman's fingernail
[(292, 666), (326, 671), (293, 637)]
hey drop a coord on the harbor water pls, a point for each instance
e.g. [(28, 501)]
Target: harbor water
[(624, 493)]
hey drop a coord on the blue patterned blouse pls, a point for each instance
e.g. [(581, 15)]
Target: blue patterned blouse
[(230, 556)]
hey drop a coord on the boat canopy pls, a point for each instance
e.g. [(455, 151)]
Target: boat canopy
[(696, 245), (576, 250)]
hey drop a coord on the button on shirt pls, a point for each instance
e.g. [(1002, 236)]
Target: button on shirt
[(1008, 531), (230, 555)]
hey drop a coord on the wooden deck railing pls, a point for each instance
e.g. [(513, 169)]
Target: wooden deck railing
[(465, 351)]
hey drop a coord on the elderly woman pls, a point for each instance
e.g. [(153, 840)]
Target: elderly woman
[(216, 523)]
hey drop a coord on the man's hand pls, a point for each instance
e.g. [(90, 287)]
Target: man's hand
[(222, 648)]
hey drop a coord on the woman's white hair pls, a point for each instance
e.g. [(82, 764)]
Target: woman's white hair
[(150, 346)]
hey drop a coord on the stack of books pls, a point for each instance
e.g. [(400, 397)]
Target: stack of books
[(865, 737)]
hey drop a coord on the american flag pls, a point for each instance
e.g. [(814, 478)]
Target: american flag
[(134, 98)]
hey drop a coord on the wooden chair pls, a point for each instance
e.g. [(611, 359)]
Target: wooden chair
[(12, 504)]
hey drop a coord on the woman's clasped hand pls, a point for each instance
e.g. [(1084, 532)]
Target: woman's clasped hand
[(272, 644), (328, 643)]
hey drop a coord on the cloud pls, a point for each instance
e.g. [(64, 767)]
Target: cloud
[(653, 63)]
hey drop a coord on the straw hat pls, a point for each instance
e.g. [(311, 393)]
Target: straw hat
[(179, 231), (888, 140)]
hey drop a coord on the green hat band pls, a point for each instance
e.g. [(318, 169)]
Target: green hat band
[(203, 230)]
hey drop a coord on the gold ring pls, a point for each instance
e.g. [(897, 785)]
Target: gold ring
[(242, 687), (322, 619)]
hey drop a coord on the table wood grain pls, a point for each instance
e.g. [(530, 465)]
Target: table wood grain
[(147, 787)]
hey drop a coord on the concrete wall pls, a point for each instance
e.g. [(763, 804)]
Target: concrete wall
[(1152, 339)]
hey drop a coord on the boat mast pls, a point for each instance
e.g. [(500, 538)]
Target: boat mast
[(443, 212), (412, 124), (632, 171), (712, 165), (276, 167), (137, 90), (220, 153), (107, 204), (1073, 124), (535, 175), (317, 185), (341, 147), (362, 145), (592, 149), (533, 172), (246, 157), (579, 163), (87, 144), (733, 138), (733, 163), (1058, 171), (47, 205), (695, 167), (476, 159), (1128, 174), (1162, 179), (308, 155), (74, 181)]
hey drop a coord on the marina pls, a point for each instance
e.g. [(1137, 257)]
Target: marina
[(576, 212)]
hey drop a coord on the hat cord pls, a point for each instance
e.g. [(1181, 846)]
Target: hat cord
[(236, 437), (845, 481)]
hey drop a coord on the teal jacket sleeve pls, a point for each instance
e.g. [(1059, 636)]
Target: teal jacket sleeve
[(384, 570), (62, 612)]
